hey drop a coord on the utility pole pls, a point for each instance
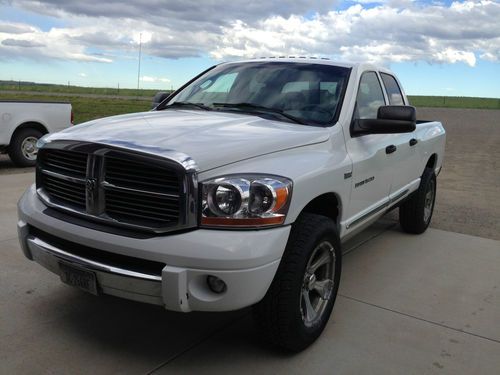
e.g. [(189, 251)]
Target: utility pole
[(139, 65)]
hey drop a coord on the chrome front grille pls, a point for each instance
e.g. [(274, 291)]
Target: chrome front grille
[(116, 186), (66, 162), (141, 176), (131, 205), (67, 192)]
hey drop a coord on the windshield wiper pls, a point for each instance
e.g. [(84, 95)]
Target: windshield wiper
[(259, 108), (188, 104)]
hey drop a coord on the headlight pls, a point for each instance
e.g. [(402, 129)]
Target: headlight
[(42, 141), (245, 201)]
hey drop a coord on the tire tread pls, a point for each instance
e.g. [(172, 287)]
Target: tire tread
[(274, 313)]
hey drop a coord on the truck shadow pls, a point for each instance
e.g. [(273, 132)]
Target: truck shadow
[(7, 167), (130, 329)]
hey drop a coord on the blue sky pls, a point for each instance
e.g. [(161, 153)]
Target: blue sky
[(435, 47)]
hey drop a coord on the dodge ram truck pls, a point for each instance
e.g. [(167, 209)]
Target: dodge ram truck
[(236, 190), (23, 123)]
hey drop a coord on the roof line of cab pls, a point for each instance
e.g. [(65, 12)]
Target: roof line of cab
[(314, 60)]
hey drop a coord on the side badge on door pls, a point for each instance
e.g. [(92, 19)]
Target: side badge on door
[(361, 183)]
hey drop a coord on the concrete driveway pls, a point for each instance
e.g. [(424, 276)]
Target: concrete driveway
[(407, 304)]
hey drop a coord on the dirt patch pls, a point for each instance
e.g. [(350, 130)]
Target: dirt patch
[(468, 197)]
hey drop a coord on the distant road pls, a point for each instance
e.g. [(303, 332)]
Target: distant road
[(81, 95)]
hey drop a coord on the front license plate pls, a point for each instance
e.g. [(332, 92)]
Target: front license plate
[(78, 277)]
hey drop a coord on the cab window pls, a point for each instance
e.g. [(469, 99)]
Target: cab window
[(370, 96), (392, 89)]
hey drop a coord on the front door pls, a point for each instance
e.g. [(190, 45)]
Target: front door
[(372, 165)]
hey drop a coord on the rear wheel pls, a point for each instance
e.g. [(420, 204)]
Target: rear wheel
[(416, 213), (300, 299), (22, 149)]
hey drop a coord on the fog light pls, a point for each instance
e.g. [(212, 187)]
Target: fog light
[(216, 285)]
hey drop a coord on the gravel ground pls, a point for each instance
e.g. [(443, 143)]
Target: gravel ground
[(468, 199)]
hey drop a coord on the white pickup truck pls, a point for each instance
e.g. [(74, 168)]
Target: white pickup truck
[(22, 123), (236, 190)]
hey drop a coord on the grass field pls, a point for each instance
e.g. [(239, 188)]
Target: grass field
[(88, 108), (48, 88), (85, 108), (454, 102)]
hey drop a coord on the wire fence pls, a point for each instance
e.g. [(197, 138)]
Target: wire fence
[(74, 88), (454, 102)]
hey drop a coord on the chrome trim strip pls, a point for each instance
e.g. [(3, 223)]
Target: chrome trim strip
[(399, 196), (178, 157), (175, 156), (377, 209), (63, 176), (93, 265), (108, 185), (368, 214)]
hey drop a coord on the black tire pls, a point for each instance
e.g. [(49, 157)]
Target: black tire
[(280, 315), (17, 154), (414, 216)]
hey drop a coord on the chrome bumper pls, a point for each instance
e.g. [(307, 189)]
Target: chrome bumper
[(245, 260), (111, 280)]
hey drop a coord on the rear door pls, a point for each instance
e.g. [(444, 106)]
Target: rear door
[(406, 157)]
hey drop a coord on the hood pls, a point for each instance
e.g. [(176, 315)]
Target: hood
[(211, 139)]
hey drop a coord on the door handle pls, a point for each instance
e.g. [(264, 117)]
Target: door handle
[(390, 149), (413, 142)]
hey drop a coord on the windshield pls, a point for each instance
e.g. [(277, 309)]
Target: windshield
[(299, 92)]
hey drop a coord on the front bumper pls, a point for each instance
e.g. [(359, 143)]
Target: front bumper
[(245, 260)]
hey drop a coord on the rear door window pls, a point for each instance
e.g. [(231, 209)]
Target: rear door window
[(392, 89)]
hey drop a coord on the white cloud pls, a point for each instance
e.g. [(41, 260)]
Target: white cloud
[(382, 34), (452, 56), (57, 43), (15, 28), (154, 79), (386, 31), (83, 75)]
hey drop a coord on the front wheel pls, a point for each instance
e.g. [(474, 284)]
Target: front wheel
[(300, 299)]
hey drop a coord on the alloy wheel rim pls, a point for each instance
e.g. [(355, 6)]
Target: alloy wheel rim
[(318, 283), (429, 202), (29, 149)]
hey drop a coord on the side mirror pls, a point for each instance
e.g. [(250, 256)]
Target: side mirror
[(390, 119), (158, 98)]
